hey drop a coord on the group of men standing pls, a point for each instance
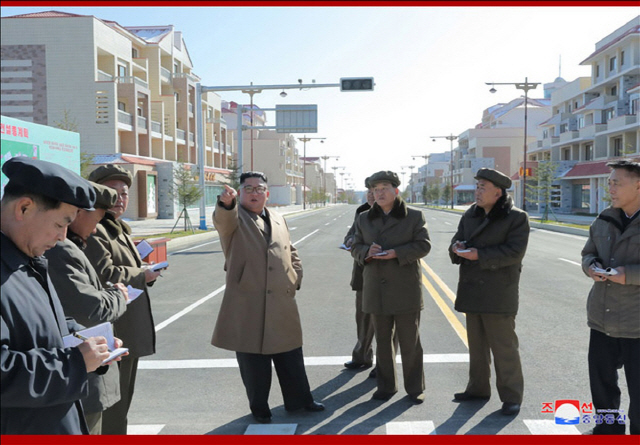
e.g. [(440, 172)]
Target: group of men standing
[(63, 248)]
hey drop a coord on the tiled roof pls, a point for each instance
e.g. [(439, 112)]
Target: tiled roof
[(46, 14), (596, 168), (634, 30)]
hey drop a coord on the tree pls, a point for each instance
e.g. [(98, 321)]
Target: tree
[(69, 123), (447, 194), (234, 174), (540, 186), (186, 191), (434, 193)]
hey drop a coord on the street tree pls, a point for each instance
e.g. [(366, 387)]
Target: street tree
[(186, 191), (540, 186)]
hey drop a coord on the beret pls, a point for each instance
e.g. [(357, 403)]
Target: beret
[(384, 176), (106, 197), (499, 179), (51, 180), (108, 172)]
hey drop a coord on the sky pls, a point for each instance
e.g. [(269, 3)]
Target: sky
[(429, 64)]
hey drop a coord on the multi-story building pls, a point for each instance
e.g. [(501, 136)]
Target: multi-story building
[(595, 120), (275, 154), (436, 172), (129, 91)]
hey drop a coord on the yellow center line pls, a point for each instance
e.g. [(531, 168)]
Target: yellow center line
[(449, 315), (448, 292)]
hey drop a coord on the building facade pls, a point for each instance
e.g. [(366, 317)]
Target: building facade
[(129, 91)]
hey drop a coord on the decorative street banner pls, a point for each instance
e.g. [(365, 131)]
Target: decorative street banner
[(22, 138)]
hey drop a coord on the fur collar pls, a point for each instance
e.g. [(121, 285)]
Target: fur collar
[(399, 210), (114, 226), (76, 239), (499, 211)]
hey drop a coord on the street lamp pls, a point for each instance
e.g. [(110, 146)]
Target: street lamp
[(450, 138), (304, 140), (526, 86), (335, 198), (410, 167), (324, 174)]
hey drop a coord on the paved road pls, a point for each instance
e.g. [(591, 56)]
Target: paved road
[(190, 387)]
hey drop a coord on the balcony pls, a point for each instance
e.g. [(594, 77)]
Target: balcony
[(142, 122), (620, 122), (156, 129), (132, 79), (569, 136), (180, 135), (126, 119), (104, 77), (140, 63), (192, 138), (165, 75), (190, 107)]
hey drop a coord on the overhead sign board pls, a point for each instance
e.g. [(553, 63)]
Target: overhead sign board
[(296, 118)]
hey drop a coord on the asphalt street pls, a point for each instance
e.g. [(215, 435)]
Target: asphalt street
[(191, 387)]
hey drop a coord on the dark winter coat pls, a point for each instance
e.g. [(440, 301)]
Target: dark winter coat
[(490, 284), (392, 286), (613, 308), (356, 273)]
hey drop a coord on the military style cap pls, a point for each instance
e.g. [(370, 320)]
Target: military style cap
[(108, 172), (499, 179), (367, 184), (51, 180), (106, 197), (384, 176)]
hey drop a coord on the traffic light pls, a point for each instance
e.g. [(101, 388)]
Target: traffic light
[(356, 84)]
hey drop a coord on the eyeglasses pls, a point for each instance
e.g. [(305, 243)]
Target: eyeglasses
[(260, 190)]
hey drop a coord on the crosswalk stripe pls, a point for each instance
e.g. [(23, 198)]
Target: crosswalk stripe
[(308, 361), (133, 430), (411, 428), (272, 429), (547, 427)]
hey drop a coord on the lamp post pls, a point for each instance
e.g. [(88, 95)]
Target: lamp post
[(410, 167), (450, 138), (526, 86), (304, 140), (324, 174), (425, 157), (335, 177)]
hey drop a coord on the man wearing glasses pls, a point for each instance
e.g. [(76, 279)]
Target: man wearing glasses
[(259, 317), (390, 239)]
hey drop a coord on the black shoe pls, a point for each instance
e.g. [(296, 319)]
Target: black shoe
[(465, 396), (314, 406), (417, 398), (374, 373), (381, 395), (355, 365), (262, 419), (510, 409)]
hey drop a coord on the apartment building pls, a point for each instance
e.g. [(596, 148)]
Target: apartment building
[(595, 120), (129, 91)]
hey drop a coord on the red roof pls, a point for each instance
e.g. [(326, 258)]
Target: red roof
[(589, 169), (140, 161), (46, 14)]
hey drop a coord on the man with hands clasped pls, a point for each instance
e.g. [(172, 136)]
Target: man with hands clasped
[(489, 246), (390, 239), (611, 257)]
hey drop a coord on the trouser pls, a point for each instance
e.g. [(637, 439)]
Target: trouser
[(114, 418), (94, 423), (363, 351), (255, 370), (494, 333), (607, 355), (406, 326)]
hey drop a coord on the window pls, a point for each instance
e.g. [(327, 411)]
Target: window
[(588, 152), (122, 71), (633, 108), (621, 58), (597, 70), (177, 96), (581, 196), (134, 53), (545, 134), (614, 90), (566, 154), (581, 122), (613, 64), (617, 147), (563, 128), (607, 115), (122, 106), (175, 68)]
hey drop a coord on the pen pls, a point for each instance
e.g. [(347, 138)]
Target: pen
[(109, 284), (81, 337)]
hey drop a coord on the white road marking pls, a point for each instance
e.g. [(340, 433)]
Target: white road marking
[(292, 228), (568, 235), (411, 428), (305, 237), (194, 247), (448, 223), (144, 429), (189, 308), (327, 224), (287, 429), (546, 426), (308, 361), (569, 261)]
